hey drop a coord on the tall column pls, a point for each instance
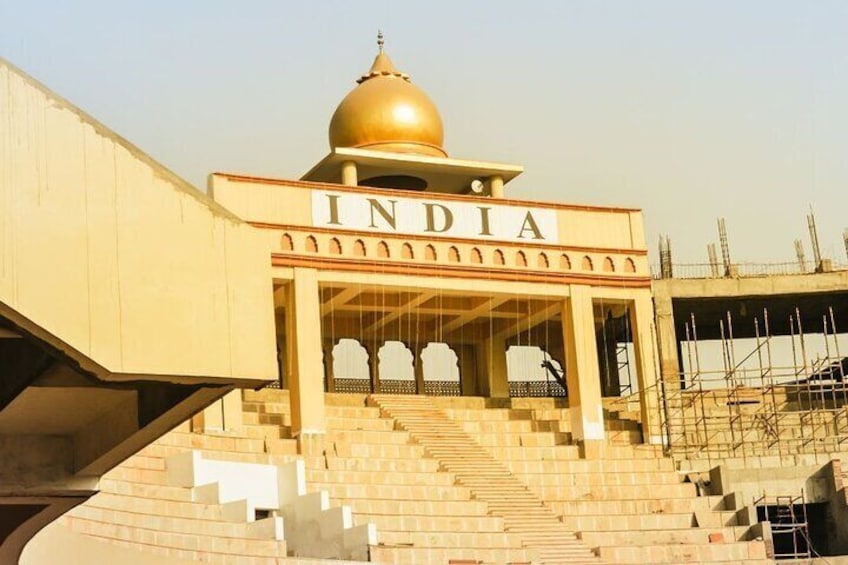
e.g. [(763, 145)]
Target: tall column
[(608, 357), (668, 346), (329, 375), (492, 377), (303, 360), (418, 367), (581, 374), (649, 390), (667, 342), (374, 367), (467, 369), (349, 174)]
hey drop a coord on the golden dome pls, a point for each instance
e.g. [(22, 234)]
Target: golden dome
[(386, 112)]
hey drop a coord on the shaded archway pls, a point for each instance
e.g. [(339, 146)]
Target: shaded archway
[(530, 372), (440, 366), (396, 373), (350, 367)]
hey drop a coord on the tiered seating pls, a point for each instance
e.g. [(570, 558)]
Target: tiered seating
[(422, 516), (631, 504), (138, 508), (444, 479)]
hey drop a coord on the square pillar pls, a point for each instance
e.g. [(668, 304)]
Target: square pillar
[(304, 359), (418, 367), (329, 375), (467, 369), (223, 415), (642, 317), (492, 378), (581, 373)]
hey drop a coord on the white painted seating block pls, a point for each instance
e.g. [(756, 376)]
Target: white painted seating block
[(291, 482), (206, 494), (267, 528), (365, 534), (308, 508), (238, 511), (357, 541), (334, 521), (180, 468), (254, 481)]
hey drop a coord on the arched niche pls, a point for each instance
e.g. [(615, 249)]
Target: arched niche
[(395, 369), (359, 248), (440, 366), (350, 367), (529, 374), (430, 253), (520, 259), (406, 251)]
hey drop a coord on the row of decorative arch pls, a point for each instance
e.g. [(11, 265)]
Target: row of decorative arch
[(498, 258)]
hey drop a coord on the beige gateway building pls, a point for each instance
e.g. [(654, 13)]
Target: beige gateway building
[(389, 359)]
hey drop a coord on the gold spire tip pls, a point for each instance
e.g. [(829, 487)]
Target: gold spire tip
[(380, 41)]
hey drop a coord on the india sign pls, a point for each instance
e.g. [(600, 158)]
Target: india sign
[(431, 217)]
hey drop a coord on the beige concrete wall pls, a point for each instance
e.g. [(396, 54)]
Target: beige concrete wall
[(119, 258), (288, 203), (750, 286), (273, 203)]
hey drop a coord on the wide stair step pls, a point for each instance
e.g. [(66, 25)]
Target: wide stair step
[(524, 514)]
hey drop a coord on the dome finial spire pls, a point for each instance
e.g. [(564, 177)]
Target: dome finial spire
[(380, 40)]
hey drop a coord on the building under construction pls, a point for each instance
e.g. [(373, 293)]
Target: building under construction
[(390, 359)]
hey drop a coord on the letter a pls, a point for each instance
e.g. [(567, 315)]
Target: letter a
[(530, 225)]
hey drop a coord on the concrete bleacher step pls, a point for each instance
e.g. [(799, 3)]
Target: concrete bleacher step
[(523, 513), (210, 548), (378, 465), (408, 478), (413, 523), (397, 507), (618, 492), (636, 538), (641, 507), (426, 556), (732, 552)]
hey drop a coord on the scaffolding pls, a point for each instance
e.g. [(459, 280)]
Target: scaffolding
[(752, 406), (789, 525)]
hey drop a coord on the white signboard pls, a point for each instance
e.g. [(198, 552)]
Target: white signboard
[(438, 218)]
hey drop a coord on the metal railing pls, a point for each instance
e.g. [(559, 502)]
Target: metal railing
[(752, 269)]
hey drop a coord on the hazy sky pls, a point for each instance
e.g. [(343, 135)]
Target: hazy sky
[(689, 110)]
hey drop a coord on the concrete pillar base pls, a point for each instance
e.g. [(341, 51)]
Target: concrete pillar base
[(592, 448), (311, 443)]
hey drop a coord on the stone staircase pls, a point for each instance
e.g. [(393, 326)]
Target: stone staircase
[(522, 511)]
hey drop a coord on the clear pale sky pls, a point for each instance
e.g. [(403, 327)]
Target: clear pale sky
[(688, 110)]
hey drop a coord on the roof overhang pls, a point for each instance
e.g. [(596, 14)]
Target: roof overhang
[(442, 174)]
